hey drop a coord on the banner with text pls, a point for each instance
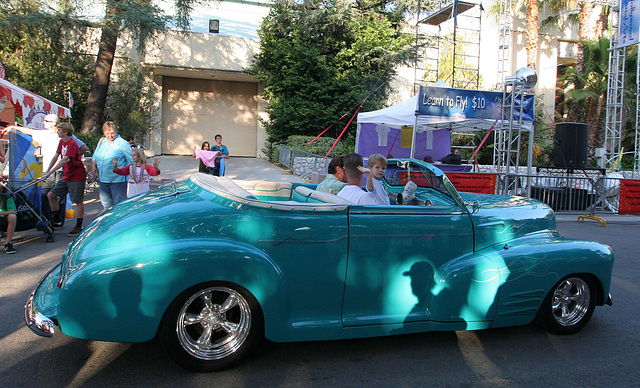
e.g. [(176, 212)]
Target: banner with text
[(629, 23), (629, 197), (473, 182), (470, 104)]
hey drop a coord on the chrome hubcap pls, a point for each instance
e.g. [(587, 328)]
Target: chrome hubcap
[(214, 323), (571, 301)]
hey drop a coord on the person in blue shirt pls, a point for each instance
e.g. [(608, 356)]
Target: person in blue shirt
[(336, 178), (218, 170), (113, 187)]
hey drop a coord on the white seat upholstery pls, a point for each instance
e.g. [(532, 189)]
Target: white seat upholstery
[(327, 197), (224, 184), (267, 189), (304, 191), (319, 196)]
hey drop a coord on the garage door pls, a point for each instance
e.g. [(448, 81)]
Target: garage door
[(195, 110)]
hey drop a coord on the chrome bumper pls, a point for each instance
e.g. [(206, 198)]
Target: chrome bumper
[(37, 322), (42, 304)]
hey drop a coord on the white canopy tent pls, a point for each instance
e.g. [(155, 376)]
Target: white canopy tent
[(429, 134), (29, 105), (404, 113)]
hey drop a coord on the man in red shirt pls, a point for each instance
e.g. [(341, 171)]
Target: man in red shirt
[(73, 180)]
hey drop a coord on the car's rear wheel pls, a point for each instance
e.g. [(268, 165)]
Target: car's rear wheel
[(568, 306), (211, 327)]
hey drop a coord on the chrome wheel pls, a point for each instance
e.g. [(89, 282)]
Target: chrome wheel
[(571, 301), (214, 323), (568, 306), (212, 326)]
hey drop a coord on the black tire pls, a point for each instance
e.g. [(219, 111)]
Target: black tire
[(212, 327), (568, 306)]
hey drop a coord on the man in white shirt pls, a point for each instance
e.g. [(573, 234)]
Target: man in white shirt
[(352, 192)]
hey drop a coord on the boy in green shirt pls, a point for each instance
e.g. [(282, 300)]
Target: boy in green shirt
[(8, 220)]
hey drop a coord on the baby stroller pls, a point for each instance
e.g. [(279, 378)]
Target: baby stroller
[(20, 183), (28, 215)]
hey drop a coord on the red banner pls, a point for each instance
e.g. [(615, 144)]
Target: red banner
[(473, 182), (629, 197)]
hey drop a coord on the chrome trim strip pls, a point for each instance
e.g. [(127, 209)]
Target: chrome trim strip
[(300, 206), (410, 213)]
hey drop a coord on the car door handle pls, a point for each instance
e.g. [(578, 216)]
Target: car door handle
[(494, 224)]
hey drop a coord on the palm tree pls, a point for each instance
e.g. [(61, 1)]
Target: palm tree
[(532, 33), (576, 113), (587, 78), (592, 95), (531, 9)]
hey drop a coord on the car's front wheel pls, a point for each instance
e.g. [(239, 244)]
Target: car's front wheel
[(211, 327), (568, 306)]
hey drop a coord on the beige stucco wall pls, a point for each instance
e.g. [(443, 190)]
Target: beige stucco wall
[(202, 51), (203, 62), (195, 110)]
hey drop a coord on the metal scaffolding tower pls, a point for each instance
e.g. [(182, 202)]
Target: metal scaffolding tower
[(427, 57), (615, 93), (462, 43), (506, 138), (508, 143), (504, 45), (636, 158)]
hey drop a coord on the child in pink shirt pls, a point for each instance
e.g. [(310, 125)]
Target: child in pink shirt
[(139, 173)]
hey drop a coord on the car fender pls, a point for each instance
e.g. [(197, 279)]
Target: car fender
[(531, 265), (103, 299)]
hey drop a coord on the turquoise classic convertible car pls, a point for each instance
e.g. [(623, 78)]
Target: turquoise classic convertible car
[(213, 266)]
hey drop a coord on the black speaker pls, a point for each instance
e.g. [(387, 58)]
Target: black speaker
[(572, 142)]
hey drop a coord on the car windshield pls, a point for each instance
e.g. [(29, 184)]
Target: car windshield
[(400, 172)]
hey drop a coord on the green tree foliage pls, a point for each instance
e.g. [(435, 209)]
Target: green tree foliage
[(631, 107), (320, 59), (465, 69), (321, 145), (44, 49), (41, 52), (592, 97), (142, 19), (131, 102)]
